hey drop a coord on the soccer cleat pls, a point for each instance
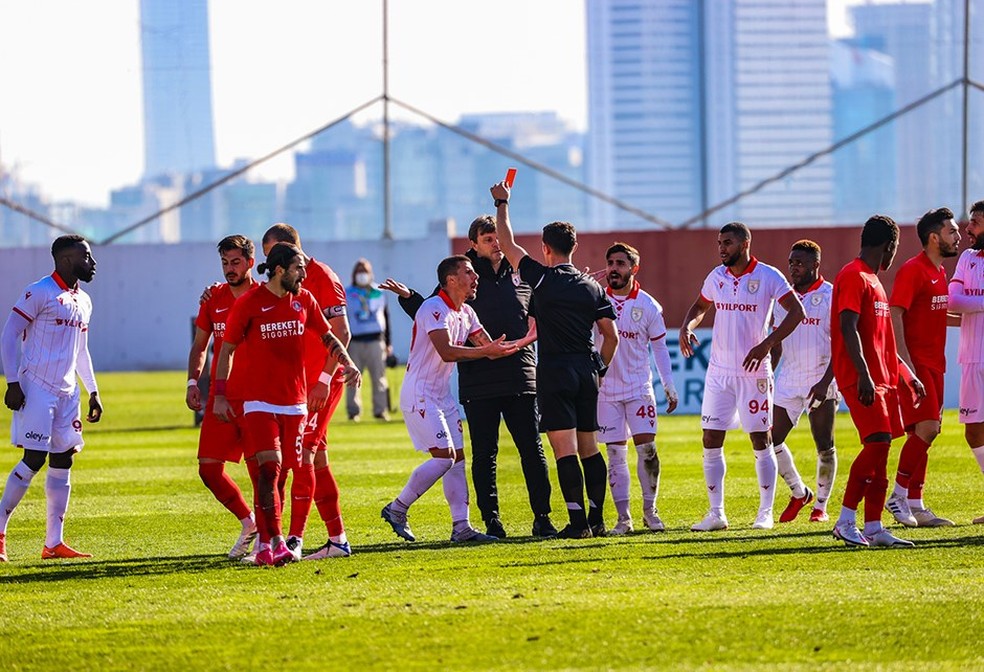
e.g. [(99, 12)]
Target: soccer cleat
[(624, 526), (3, 547), (264, 558), (281, 554), (764, 520), (599, 530), (926, 518), (979, 520), (543, 527), (711, 523), (886, 539), (296, 546), (494, 528), (62, 551), (331, 550), (818, 516), (398, 521), (249, 559), (898, 506), (653, 522), (571, 532), (849, 534), (470, 535), (244, 543), (795, 505)]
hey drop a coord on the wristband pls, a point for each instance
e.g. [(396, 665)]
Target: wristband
[(220, 388), (192, 382), (501, 201), (325, 378)]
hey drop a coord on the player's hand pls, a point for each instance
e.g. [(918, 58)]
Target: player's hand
[(207, 292), (866, 390), (753, 360), (14, 397), (817, 395), (918, 391), (351, 375), (499, 191), (95, 408), (499, 348), (317, 397), (672, 400), (397, 288), (687, 342), (193, 398), (222, 409)]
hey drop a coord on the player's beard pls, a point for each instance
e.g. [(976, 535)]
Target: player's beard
[(617, 281), (235, 280), (977, 242), (292, 286), (732, 260), (949, 251)]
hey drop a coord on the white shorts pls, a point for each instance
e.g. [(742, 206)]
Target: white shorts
[(971, 393), (733, 401), (794, 396), (618, 420), (431, 426), (50, 422)]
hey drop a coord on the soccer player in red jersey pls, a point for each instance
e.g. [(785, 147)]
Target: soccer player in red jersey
[(919, 316), (270, 321), (222, 442), (313, 479), (866, 368)]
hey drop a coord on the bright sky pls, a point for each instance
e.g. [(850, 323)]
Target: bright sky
[(70, 102)]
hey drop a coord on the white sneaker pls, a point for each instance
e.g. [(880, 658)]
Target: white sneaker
[(898, 506), (886, 539), (623, 526), (849, 534), (296, 546), (653, 522), (764, 520), (926, 518), (244, 543), (331, 550), (711, 523), (248, 559)]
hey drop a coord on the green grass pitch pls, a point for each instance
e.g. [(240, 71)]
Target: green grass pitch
[(160, 593)]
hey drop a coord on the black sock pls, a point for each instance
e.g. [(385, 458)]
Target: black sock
[(572, 487), (596, 484)]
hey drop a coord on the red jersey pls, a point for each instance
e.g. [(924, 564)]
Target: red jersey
[(858, 289), (273, 330), (212, 316), (329, 292), (921, 290)]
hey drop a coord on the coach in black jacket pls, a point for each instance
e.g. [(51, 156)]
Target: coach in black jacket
[(501, 388)]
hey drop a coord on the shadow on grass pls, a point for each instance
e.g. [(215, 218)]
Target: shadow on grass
[(78, 570), (143, 429)]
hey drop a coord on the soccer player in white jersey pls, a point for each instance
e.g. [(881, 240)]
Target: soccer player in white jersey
[(805, 384), (966, 297), (738, 387), (441, 328), (44, 347), (626, 402)]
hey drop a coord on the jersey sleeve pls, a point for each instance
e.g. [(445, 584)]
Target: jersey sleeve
[(848, 293), (657, 325), (605, 307), (960, 272), (316, 320), (904, 287), (432, 317), (474, 324), (531, 271), (30, 303), (204, 319), (780, 286), (236, 324), (709, 289)]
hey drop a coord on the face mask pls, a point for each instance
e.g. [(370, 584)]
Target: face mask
[(362, 279)]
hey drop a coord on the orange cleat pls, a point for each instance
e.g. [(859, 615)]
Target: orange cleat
[(795, 505), (62, 551), (818, 516), (3, 547)]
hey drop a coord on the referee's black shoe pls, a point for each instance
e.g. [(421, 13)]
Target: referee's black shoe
[(571, 532), (543, 527), (494, 528)]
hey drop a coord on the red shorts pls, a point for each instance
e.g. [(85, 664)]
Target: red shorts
[(882, 417), (222, 440), (316, 425), (273, 431), (931, 407)]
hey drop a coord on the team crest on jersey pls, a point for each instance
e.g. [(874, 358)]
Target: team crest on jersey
[(636, 314), (816, 299), (763, 385), (753, 286), (296, 305)]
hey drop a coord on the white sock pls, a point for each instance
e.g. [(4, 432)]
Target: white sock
[(826, 472), (766, 469), (848, 516), (17, 484), (58, 488), (714, 471), (916, 504), (900, 491), (872, 528), (979, 456), (420, 481), (456, 491), (339, 538), (248, 522), (618, 478), (648, 468), (787, 469)]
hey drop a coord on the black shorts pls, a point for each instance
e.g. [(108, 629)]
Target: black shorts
[(567, 393)]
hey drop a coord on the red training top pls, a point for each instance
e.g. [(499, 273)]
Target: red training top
[(921, 290)]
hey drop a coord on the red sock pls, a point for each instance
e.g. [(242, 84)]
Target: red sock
[(226, 491), (917, 470), (326, 499), (301, 491), (270, 504), (874, 496), (858, 479), (913, 454)]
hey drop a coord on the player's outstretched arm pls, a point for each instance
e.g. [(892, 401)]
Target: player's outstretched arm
[(196, 366), (485, 346), (507, 239), (693, 319), (410, 300), (10, 341)]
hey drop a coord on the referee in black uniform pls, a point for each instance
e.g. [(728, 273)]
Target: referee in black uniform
[(568, 304)]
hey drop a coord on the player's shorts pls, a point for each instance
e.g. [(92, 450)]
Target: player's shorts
[(931, 407), (618, 420), (221, 440), (434, 425), (972, 393), (882, 417), (316, 425), (273, 431), (567, 393), (736, 401), (794, 396), (49, 421)]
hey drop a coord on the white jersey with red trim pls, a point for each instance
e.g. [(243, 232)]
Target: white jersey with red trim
[(59, 319), (806, 351), (968, 280), (428, 376), (743, 305), (639, 320)]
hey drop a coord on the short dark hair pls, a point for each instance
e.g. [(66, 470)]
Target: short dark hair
[(626, 249), (932, 222), (282, 255), (807, 246), (878, 230), (737, 228), (480, 226), (977, 207), (561, 237), (448, 267), (65, 242), (282, 233), (236, 242)]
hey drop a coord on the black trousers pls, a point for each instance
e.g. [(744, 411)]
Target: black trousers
[(522, 420)]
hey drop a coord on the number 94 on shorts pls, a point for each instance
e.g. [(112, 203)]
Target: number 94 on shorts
[(736, 401)]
